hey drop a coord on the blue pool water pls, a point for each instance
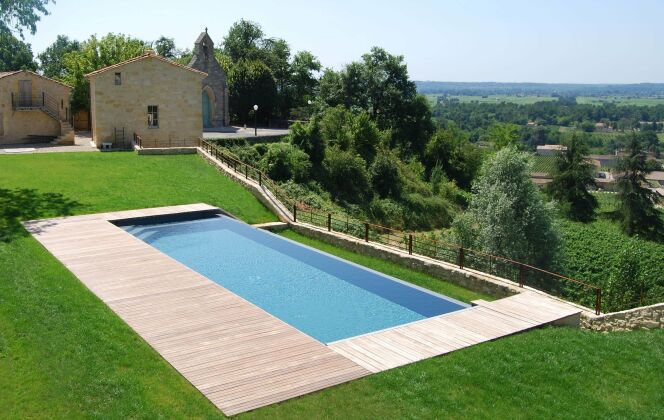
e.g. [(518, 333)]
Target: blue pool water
[(319, 294)]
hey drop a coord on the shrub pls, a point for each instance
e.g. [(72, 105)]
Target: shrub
[(385, 177), (283, 161), (346, 176), (386, 212)]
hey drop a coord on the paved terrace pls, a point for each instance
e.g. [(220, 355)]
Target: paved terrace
[(236, 354)]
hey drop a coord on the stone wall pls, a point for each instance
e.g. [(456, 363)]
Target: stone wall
[(632, 319), (16, 126), (148, 81)]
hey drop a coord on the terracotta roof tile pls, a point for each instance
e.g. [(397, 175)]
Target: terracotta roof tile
[(143, 57)]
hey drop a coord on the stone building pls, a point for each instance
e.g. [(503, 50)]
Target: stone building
[(214, 94), (151, 96), (34, 109)]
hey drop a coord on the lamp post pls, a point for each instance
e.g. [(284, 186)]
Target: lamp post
[(255, 120)]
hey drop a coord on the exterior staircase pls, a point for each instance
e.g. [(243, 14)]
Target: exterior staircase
[(66, 134)]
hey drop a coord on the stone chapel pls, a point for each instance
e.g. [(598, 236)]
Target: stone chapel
[(215, 86)]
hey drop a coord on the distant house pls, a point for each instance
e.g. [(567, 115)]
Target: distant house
[(600, 126), (34, 109), (531, 124), (150, 96), (550, 149)]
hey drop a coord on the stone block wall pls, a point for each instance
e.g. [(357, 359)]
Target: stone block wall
[(144, 82), (645, 317), (16, 126)]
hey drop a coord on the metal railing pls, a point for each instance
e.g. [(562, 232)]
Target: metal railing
[(42, 101), (159, 143), (414, 244)]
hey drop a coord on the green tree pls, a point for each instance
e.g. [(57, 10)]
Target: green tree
[(244, 41), (380, 86), (572, 177), (52, 59), (651, 142), (346, 175), (385, 177), (331, 88), (451, 150), (504, 134), (637, 211), (95, 54), (336, 125), (366, 136), (303, 70), (507, 216), (309, 139), (283, 161), (251, 83), (165, 47), (17, 15), (15, 54)]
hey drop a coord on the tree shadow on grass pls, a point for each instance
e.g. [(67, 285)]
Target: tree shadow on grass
[(21, 204)]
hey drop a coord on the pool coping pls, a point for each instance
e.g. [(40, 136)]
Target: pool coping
[(279, 378)]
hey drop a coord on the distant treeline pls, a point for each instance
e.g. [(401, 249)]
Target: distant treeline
[(546, 89)]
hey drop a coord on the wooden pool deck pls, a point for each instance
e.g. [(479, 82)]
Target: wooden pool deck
[(236, 354)]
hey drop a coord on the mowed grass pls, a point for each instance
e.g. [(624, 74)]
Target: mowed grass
[(100, 182), (64, 354), (546, 373), (391, 269)]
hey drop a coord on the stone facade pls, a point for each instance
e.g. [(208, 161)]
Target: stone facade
[(25, 120), (645, 317), (121, 94), (215, 87)]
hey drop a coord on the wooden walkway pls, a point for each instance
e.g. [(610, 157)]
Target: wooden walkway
[(445, 333), (236, 354)]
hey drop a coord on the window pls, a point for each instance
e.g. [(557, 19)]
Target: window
[(118, 78), (62, 103), (153, 116)]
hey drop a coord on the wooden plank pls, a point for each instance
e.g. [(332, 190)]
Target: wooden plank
[(238, 355)]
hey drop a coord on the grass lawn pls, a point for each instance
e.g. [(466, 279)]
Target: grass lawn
[(98, 182), (64, 354), (519, 100), (392, 269)]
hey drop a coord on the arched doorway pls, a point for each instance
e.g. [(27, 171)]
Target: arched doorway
[(206, 109)]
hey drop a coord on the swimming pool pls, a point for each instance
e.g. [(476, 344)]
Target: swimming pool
[(321, 295)]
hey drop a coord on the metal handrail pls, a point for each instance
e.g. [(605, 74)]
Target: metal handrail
[(370, 232)]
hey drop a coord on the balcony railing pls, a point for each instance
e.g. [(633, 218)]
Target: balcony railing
[(41, 101)]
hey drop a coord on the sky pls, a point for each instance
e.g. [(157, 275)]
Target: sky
[(550, 41)]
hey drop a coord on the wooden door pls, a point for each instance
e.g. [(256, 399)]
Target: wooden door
[(25, 93)]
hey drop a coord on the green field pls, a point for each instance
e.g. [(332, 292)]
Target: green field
[(531, 99), (521, 100), (64, 354), (619, 100)]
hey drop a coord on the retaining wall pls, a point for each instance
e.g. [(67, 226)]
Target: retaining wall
[(645, 317)]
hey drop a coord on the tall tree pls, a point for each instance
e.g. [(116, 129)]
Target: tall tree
[(303, 71), (244, 41), (637, 210), (51, 61), (379, 85), (507, 216), (450, 150), (165, 47), (251, 83), (18, 15), (15, 54), (572, 177)]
